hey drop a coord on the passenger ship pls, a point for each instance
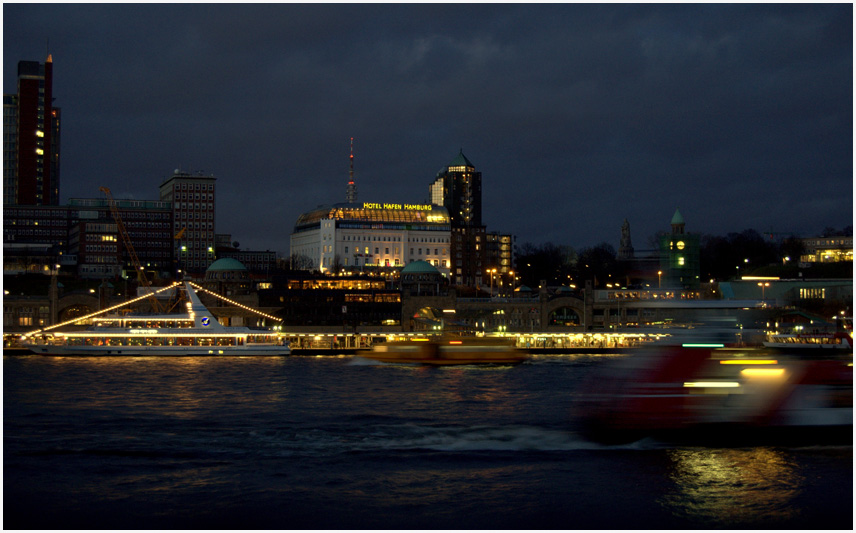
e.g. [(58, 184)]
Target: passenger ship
[(196, 332), (810, 341)]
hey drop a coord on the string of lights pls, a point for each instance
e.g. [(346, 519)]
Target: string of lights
[(197, 287), (92, 315)]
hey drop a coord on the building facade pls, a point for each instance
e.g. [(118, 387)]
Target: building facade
[(831, 249), (679, 257), (147, 222), (193, 200), (458, 188), (371, 235), (31, 154)]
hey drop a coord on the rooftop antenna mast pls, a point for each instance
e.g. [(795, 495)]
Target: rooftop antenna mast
[(351, 196)]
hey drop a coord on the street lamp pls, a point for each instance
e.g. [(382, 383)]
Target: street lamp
[(659, 279), (491, 271), (763, 288)]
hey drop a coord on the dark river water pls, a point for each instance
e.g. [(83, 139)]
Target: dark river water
[(344, 443)]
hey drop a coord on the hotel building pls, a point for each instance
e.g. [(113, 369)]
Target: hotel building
[(373, 235)]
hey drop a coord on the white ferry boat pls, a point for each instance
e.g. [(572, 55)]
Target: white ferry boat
[(196, 332), (810, 341)]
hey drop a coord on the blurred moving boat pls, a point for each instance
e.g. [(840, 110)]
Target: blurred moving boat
[(810, 341), (448, 350), (196, 332), (708, 394)]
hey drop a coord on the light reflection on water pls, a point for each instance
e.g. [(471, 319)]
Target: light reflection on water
[(733, 486), (334, 443)]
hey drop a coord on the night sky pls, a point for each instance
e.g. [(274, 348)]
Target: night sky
[(577, 116)]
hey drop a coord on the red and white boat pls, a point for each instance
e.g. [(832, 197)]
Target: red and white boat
[(710, 394)]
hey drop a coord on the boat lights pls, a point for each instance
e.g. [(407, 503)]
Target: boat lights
[(749, 362), (235, 303), (712, 384), (763, 372), (91, 315)]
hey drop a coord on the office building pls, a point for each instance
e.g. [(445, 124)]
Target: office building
[(193, 198), (31, 134)]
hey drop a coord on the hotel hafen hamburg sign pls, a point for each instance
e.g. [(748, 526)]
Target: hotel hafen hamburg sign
[(399, 207)]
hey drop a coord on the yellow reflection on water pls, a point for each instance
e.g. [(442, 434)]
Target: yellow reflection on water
[(725, 486)]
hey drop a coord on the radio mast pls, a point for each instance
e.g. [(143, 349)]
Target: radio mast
[(351, 196)]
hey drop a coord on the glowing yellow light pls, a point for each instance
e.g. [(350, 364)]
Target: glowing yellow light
[(712, 384), (749, 362), (40, 133), (456, 342), (763, 372)]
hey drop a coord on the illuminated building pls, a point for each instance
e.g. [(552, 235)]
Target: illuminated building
[(679, 256), (193, 223), (374, 235), (500, 251), (458, 188), (31, 127), (147, 223), (301, 298), (97, 246), (831, 249)]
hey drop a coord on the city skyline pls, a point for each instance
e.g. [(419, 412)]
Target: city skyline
[(577, 116)]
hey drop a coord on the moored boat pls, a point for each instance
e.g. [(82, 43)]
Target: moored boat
[(195, 332), (448, 350)]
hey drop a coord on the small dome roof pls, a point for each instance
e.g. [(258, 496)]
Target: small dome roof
[(420, 267), (227, 263)]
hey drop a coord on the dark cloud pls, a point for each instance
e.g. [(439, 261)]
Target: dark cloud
[(578, 116)]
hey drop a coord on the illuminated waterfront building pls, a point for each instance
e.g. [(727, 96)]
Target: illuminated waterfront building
[(193, 198), (31, 128), (374, 235)]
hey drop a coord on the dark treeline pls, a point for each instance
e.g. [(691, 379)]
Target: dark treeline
[(719, 256)]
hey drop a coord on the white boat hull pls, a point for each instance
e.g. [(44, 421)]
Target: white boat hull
[(175, 351)]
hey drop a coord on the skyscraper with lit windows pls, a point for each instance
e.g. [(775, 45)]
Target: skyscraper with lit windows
[(31, 131), (458, 188)]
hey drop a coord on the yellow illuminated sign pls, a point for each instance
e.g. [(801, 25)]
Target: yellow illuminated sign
[(397, 207)]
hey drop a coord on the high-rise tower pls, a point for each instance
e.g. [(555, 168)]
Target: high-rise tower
[(458, 188), (351, 195), (32, 178)]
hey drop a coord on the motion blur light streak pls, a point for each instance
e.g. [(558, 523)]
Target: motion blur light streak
[(763, 372), (749, 362), (712, 384)]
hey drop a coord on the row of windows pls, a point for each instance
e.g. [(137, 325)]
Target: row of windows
[(185, 206), (190, 196), (390, 239), (194, 186), (105, 248), (193, 225), (184, 215)]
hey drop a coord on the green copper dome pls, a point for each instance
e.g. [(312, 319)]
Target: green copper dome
[(227, 263), (419, 267)]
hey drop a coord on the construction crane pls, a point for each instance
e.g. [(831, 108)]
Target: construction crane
[(126, 239)]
